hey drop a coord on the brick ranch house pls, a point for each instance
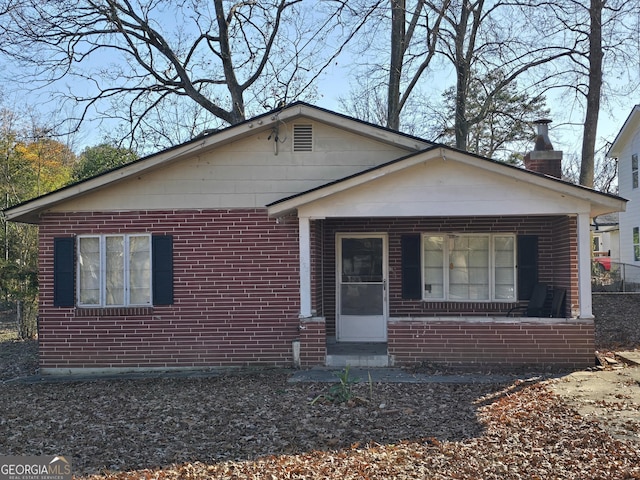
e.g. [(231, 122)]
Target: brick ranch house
[(305, 237)]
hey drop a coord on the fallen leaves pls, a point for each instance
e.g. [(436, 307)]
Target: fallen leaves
[(259, 426)]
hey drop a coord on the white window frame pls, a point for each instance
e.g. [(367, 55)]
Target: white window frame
[(634, 171), (102, 241), (448, 237)]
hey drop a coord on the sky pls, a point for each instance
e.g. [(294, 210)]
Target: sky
[(336, 83), (564, 136)]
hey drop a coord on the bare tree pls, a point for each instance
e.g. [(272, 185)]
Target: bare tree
[(128, 58), (484, 37), (602, 38), (424, 24)]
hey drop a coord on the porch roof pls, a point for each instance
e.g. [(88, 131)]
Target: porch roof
[(442, 181)]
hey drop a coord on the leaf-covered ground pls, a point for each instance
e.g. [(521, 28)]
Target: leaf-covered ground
[(257, 425)]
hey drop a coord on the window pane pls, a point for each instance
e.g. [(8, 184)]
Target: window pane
[(504, 267), (636, 235), (469, 268), (634, 161), (89, 271), (114, 275), (139, 270), (434, 267), (634, 177)]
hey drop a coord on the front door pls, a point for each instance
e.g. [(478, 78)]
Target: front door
[(361, 288)]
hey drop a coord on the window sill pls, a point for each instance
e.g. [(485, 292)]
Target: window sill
[(112, 311)]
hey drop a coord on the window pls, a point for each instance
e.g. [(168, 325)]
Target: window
[(469, 267), (634, 170), (636, 244), (114, 270)]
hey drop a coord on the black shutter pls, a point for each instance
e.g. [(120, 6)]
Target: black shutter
[(411, 277), (162, 269), (63, 272), (527, 265)]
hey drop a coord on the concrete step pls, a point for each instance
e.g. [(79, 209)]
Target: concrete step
[(357, 360)]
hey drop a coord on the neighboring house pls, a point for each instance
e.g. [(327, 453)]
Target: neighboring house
[(626, 148), (605, 231), (305, 237)]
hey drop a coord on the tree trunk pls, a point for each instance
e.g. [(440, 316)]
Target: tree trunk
[(463, 66), (395, 67), (593, 93)]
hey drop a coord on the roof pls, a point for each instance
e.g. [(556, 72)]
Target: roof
[(631, 124), (421, 149)]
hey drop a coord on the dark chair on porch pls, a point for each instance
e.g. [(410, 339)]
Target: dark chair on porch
[(535, 307), (538, 301), (557, 303)]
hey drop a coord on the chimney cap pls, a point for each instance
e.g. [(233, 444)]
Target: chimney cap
[(542, 121)]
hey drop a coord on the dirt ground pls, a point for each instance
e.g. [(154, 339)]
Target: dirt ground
[(610, 396)]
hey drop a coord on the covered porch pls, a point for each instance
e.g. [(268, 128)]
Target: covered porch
[(372, 304), (426, 257)]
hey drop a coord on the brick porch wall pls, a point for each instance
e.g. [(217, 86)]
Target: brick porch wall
[(553, 343), (313, 342), (236, 291)]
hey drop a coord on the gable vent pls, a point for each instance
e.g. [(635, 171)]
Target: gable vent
[(303, 138)]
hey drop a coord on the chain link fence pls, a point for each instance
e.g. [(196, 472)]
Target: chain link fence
[(21, 317), (615, 277)]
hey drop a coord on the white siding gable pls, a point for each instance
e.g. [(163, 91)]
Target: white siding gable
[(444, 187), (250, 172)]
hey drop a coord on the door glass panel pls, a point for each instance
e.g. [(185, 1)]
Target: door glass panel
[(361, 299), (361, 260)]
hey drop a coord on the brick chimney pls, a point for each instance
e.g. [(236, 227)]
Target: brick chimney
[(543, 158)]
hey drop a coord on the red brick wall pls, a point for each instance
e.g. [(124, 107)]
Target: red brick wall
[(236, 290), (568, 344)]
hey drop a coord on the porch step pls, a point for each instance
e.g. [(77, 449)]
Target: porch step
[(357, 360), (357, 354)]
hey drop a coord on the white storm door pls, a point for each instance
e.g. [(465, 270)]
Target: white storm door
[(361, 288)]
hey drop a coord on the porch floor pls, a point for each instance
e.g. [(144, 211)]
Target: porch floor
[(355, 348)]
